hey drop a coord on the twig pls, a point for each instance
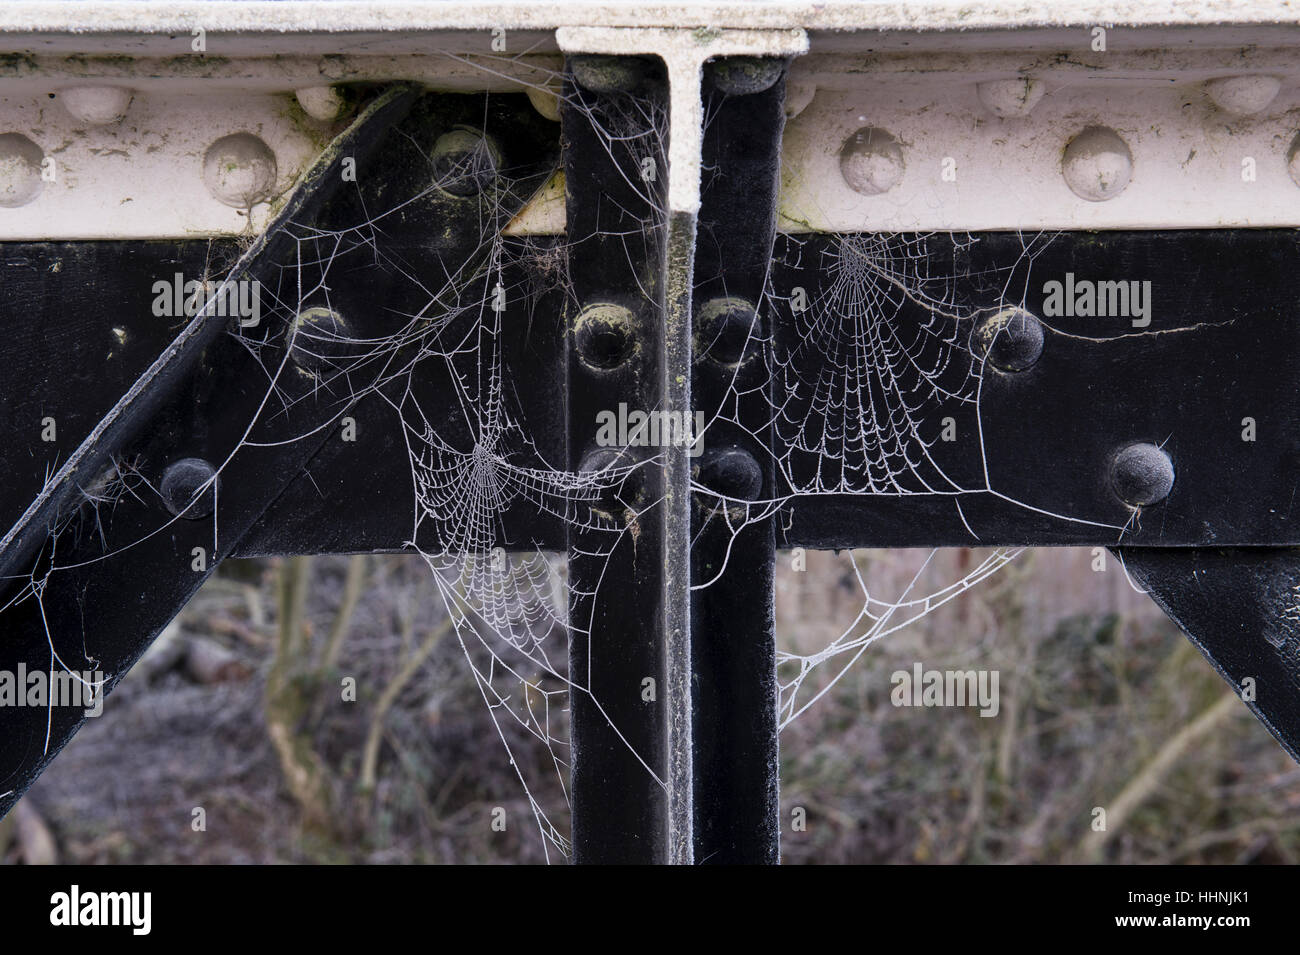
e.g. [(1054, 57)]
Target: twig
[(1144, 783)]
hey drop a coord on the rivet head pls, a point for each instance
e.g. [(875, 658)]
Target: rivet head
[(186, 490), (324, 103), (1012, 339), (724, 327), (1242, 95), (1011, 99), (316, 334), (614, 472), (465, 162), (871, 161), (732, 473), (20, 170), (239, 170), (610, 74), (1142, 474), (545, 101), (797, 98), (1097, 164), (96, 105), (604, 335), (744, 75)]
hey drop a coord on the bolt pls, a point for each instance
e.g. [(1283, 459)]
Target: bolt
[(1013, 339), (239, 170), (723, 327), (610, 74), (1011, 99), (1142, 474), (314, 338), (96, 105), (1242, 95), (324, 103), (732, 473), (744, 75), (182, 484), (871, 161), (465, 162), (605, 335), (1097, 164), (20, 170)]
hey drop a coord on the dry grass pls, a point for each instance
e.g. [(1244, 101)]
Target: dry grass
[(1095, 684)]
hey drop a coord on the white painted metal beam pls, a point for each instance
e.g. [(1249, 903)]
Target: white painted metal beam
[(923, 116)]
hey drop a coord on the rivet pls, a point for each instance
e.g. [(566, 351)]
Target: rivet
[(316, 334), (610, 74), (797, 98), (20, 170), (239, 170), (465, 162), (615, 474), (604, 335), (1243, 95), (545, 101), (732, 473), (1011, 99), (96, 105), (744, 75), (871, 161), (1012, 339), (1142, 474), (723, 329), (186, 490), (323, 103), (1097, 164)]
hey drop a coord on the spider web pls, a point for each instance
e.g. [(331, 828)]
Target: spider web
[(860, 375)]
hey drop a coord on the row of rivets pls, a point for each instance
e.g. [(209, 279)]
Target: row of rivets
[(605, 338), (239, 170), (1238, 95), (1097, 163), (1141, 474)]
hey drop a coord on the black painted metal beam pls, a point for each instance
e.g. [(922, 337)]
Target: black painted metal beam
[(733, 549), (229, 421), (1216, 353), (1241, 608), (618, 548)]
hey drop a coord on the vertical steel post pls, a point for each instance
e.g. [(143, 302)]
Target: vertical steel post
[(674, 706), (623, 606), (733, 644)]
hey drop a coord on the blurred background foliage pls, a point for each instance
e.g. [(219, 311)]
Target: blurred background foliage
[(239, 709)]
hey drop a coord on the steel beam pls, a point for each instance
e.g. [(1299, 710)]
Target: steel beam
[(170, 480), (614, 121), (1241, 608), (733, 537)]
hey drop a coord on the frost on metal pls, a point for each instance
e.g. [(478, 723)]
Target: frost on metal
[(856, 385)]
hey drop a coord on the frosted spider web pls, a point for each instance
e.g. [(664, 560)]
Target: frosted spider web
[(869, 359)]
